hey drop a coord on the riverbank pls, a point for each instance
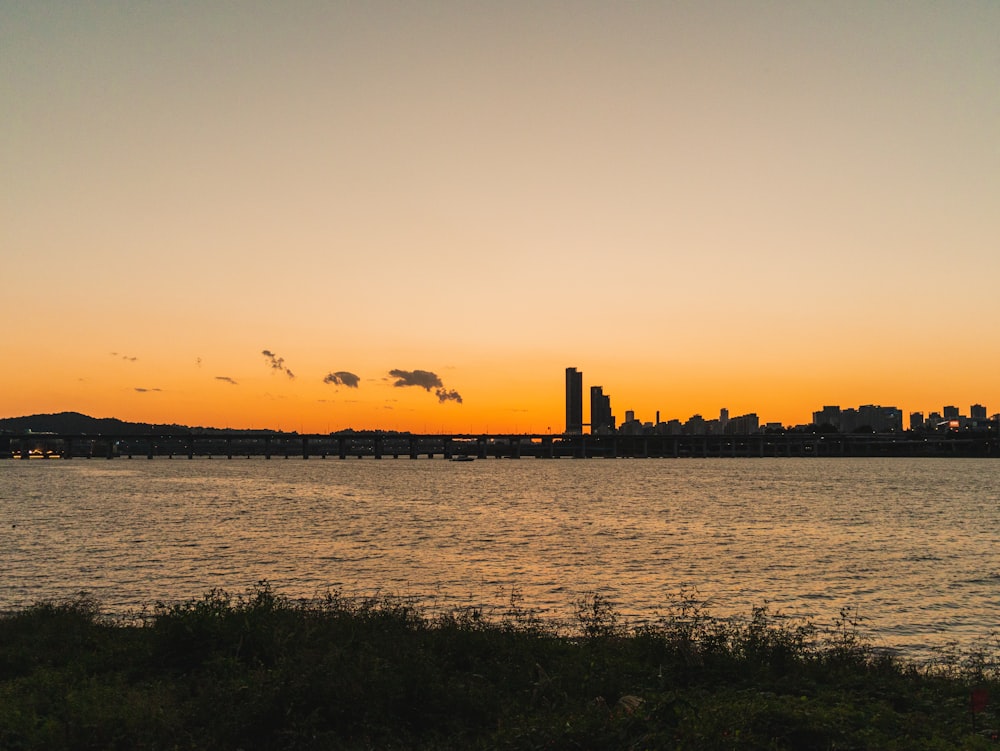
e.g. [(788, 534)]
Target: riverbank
[(259, 671)]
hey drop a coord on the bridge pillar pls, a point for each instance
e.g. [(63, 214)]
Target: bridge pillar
[(305, 448), (447, 448), (413, 447), (341, 448), (378, 447), (515, 447), (481, 446), (229, 448), (67, 448), (267, 447), (190, 447), (25, 451)]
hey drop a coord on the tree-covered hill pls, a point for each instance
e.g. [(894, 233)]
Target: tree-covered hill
[(74, 422)]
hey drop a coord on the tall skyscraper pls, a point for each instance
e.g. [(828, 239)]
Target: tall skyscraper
[(602, 421), (574, 401)]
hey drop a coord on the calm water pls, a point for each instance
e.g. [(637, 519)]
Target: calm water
[(910, 543)]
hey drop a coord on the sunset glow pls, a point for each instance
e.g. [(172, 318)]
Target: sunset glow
[(766, 207)]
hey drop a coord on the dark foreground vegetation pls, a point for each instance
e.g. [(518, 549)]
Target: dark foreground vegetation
[(259, 671)]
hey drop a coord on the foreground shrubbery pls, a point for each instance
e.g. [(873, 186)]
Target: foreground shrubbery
[(258, 671)]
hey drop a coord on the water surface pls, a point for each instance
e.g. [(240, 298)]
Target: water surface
[(909, 544)]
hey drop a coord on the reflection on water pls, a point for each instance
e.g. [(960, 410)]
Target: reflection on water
[(910, 543)]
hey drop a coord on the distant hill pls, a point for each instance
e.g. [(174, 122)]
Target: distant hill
[(74, 422)]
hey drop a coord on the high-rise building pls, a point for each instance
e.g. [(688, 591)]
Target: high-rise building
[(743, 424), (977, 412), (830, 416), (601, 419), (574, 401), (880, 419), (869, 417)]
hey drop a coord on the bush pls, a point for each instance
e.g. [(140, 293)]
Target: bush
[(257, 671)]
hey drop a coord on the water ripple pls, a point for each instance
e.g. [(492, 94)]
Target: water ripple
[(813, 536)]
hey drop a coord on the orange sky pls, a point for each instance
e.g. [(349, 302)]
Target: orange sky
[(765, 206)]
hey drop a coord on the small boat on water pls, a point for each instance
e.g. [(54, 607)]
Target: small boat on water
[(463, 458)]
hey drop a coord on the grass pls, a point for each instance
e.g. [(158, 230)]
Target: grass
[(258, 671)]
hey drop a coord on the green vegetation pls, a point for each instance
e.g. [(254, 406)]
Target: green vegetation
[(258, 671)]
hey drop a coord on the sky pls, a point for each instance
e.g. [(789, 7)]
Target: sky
[(415, 215)]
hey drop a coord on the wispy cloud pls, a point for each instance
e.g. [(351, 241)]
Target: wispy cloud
[(277, 363), (226, 379), (426, 380), (342, 378), (145, 391), (127, 358)]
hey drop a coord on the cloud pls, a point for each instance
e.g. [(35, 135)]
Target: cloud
[(144, 391), (124, 357), (427, 381), (226, 379), (422, 378), (342, 378), (277, 363)]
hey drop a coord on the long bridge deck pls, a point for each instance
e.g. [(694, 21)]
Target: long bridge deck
[(482, 446)]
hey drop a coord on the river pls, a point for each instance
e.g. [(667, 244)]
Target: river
[(909, 545)]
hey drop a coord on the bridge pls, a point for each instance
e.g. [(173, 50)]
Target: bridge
[(380, 445)]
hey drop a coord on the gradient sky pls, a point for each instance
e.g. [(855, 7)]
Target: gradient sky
[(766, 206)]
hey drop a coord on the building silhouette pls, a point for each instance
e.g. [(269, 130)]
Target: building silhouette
[(574, 401), (867, 418), (602, 422)]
